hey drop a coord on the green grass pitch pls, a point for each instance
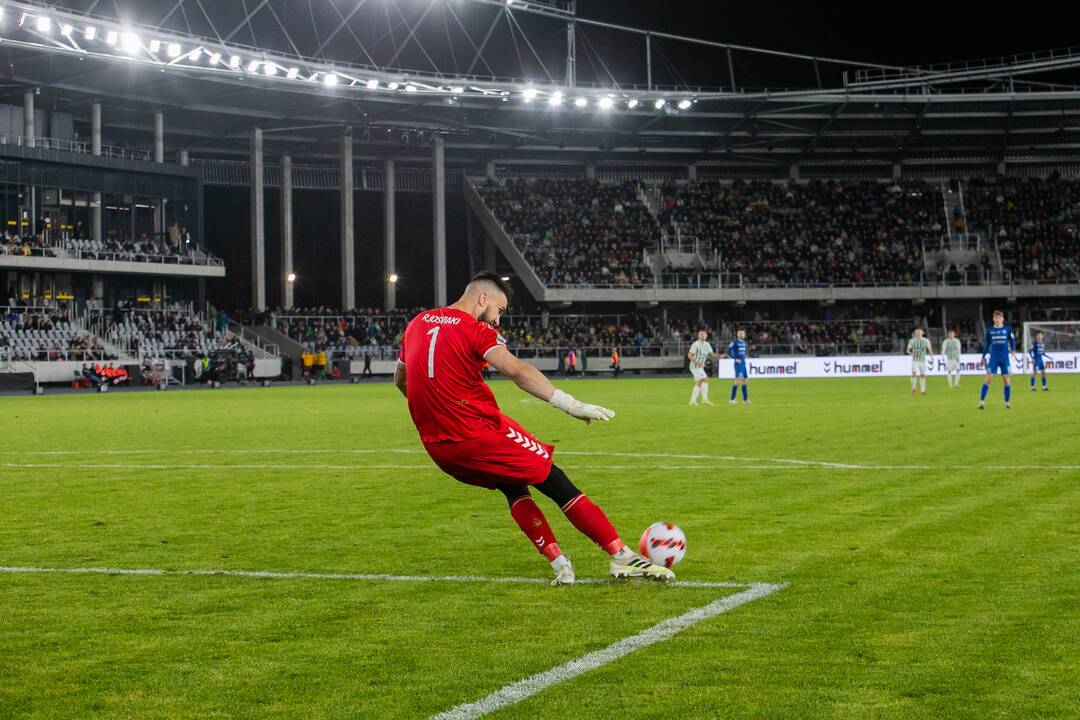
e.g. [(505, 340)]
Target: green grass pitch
[(933, 571)]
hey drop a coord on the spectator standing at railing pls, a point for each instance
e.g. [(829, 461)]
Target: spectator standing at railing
[(616, 366), (571, 362)]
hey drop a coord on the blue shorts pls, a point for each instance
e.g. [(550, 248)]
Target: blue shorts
[(994, 364), (740, 369), (1039, 366)]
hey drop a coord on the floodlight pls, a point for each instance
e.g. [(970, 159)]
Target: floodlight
[(173, 50), (393, 277), (410, 88), (130, 42), (605, 103), (685, 104), (555, 99), (580, 102), (659, 103), (291, 277), (528, 94), (393, 86), (215, 58), (372, 84), (292, 73), (632, 103), (330, 80), (270, 69), (234, 62), (90, 32), (457, 90), (43, 24), (155, 46)]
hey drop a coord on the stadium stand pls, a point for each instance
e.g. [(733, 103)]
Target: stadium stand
[(46, 334), (577, 232), (1034, 223), (158, 333)]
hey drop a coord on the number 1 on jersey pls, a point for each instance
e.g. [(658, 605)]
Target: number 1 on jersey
[(434, 333)]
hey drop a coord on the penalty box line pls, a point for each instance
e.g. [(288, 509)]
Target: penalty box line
[(515, 692), (665, 630)]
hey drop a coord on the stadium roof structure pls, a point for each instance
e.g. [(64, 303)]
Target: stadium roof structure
[(513, 78)]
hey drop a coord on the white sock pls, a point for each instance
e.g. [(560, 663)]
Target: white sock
[(624, 553), (693, 395), (922, 384), (912, 382), (956, 381), (704, 391), (559, 562)]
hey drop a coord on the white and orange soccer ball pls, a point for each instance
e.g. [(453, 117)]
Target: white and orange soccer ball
[(663, 544)]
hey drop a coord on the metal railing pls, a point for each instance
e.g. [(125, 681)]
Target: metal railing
[(196, 259), (78, 147)]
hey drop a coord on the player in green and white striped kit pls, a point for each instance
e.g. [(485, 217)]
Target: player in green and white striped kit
[(951, 350), (918, 348)]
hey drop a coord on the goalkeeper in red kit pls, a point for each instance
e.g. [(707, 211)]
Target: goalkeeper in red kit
[(443, 353)]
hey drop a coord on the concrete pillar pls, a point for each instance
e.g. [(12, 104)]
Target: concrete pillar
[(286, 231), (389, 236), (691, 172), (96, 229), (159, 137), (348, 258), (28, 119), (258, 223), (95, 128), (896, 171), (183, 158), (793, 171), (490, 170), (438, 199)]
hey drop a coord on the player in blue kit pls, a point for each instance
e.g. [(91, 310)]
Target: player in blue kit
[(1038, 352), (997, 348), (737, 352)]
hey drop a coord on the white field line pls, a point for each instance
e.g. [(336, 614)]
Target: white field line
[(365, 577), (665, 630), (785, 466), (770, 462), (399, 466)]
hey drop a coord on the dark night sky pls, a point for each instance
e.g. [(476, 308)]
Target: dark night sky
[(893, 33)]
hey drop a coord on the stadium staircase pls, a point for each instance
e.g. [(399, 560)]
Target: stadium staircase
[(285, 344), (502, 240)]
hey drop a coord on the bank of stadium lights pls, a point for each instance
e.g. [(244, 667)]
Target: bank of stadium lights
[(173, 51)]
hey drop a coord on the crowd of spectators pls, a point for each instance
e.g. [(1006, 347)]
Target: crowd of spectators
[(577, 232), (806, 233), (353, 333), (1034, 222), (377, 333), (30, 333), (159, 333), (26, 245)]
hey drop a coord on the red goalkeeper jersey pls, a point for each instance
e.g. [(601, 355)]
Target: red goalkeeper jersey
[(443, 351)]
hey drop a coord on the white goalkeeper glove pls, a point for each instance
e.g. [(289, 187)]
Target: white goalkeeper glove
[(578, 409)]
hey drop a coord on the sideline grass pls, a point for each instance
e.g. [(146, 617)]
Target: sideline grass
[(950, 591)]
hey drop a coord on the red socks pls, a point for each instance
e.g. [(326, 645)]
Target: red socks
[(535, 526), (592, 523)]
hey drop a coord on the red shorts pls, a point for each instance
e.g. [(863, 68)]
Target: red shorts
[(507, 456)]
